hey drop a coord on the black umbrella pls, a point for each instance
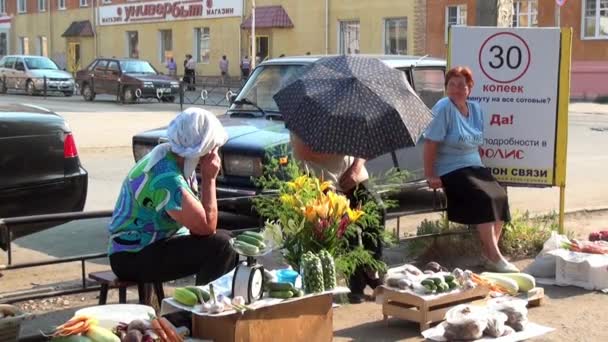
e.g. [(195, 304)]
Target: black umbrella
[(353, 105)]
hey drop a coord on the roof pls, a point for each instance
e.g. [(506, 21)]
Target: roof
[(79, 29), (394, 61), (269, 17)]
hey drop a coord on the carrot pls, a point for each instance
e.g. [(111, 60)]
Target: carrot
[(159, 330), (170, 330)]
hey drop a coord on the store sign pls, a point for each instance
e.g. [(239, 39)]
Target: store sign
[(516, 74), (168, 10)]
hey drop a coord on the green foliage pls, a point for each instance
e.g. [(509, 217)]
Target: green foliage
[(525, 235)]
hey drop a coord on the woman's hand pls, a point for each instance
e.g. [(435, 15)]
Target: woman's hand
[(348, 180), (434, 182), (210, 164)]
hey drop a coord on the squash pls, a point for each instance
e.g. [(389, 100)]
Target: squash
[(525, 281), (506, 283)]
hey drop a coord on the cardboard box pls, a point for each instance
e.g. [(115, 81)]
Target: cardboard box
[(307, 319), (589, 271)]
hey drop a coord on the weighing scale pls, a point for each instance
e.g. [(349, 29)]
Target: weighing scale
[(248, 280)]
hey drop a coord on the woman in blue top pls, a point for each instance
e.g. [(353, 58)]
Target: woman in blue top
[(452, 160)]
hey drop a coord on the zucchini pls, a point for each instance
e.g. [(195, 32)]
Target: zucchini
[(184, 296), (202, 295), (281, 294), (506, 283), (246, 248), (256, 235), (250, 240), (525, 281), (276, 286), (297, 293)]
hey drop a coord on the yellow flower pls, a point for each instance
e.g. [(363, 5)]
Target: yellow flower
[(288, 199), (299, 182), (339, 204), (325, 185), (310, 213), (354, 215), (322, 208)]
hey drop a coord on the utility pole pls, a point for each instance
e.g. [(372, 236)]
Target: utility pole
[(253, 47)]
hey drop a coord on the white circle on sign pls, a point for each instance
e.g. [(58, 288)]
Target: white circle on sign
[(504, 57)]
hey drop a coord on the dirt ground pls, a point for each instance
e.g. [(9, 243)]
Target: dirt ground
[(576, 314)]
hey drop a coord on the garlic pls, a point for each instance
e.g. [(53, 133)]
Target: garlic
[(238, 300)]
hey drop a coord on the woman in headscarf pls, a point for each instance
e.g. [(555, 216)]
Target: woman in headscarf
[(159, 197)]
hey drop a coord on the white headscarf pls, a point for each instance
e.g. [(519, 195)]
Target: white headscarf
[(192, 134)]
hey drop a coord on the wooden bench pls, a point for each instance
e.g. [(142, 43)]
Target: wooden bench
[(108, 280)]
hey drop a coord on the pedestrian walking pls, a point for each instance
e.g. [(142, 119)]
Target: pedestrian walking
[(171, 66), (224, 68), (245, 66), (189, 72)]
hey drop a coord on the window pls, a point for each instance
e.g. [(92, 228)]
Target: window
[(41, 5), (84, 3), (395, 36), (166, 45), (3, 7), (107, 1), (24, 45), (42, 46), (349, 37), (203, 45), (455, 15), (21, 6), (525, 13), (132, 44), (429, 84), (3, 44), (595, 21), (101, 65), (61, 4), (113, 67)]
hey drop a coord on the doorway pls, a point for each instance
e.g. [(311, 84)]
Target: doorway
[(262, 47), (73, 57)]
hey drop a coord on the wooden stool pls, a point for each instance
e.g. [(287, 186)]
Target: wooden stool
[(107, 280)]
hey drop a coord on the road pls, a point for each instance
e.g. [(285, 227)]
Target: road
[(103, 132)]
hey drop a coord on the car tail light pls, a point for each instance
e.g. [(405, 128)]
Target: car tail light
[(69, 147)]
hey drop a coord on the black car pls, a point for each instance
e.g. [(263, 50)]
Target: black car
[(130, 79), (40, 172), (254, 127)]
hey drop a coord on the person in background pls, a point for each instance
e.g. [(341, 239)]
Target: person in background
[(171, 66), (224, 68), (348, 175), (245, 66), (452, 160), (189, 72), (159, 197)]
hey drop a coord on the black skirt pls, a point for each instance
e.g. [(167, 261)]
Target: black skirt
[(474, 196)]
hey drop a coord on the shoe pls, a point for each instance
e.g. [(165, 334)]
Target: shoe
[(501, 266), (356, 298)]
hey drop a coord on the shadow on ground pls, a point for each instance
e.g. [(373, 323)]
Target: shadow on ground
[(380, 331)]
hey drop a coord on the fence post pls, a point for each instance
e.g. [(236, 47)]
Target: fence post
[(181, 95), (4, 87), (44, 85)]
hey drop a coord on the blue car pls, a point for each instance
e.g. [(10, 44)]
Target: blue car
[(257, 133)]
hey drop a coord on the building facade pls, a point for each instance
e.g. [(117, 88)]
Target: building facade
[(74, 32), (588, 19)]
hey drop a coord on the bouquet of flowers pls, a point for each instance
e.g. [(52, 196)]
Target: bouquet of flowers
[(308, 216)]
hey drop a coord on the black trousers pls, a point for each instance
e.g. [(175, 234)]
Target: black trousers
[(361, 278), (190, 78), (209, 257)]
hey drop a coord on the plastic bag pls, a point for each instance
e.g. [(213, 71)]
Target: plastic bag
[(496, 324), (543, 265), (515, 309), (465, 322)]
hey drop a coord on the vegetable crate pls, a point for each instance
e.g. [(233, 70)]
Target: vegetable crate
[(425, 310), (10, 323)]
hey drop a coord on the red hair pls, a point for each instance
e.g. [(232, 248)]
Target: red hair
[(460, 72)]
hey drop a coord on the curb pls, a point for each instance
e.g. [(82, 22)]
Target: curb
[(590, 210)]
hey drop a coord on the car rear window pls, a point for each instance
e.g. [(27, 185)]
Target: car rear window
[(101, 65), (113, 66), (429, 84)]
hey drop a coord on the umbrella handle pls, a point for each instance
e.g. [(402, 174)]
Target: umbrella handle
[(395, 160)]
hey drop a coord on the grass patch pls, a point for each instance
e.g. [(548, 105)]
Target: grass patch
[(524, 236)]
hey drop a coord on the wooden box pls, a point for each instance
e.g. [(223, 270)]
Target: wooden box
[(425, 310), (303, 319)]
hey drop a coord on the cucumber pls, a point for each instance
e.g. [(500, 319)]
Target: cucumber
[(246, 248), (203, 296), (276, 286), (427, 282), (453, 285), (281, 294), (250, 240), (437, 280), (256, 235), (184, 296), (297, 292), (448, 278)]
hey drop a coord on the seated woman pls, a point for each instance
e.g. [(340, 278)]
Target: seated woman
[(452, 160), (348, 175), (158, 197)]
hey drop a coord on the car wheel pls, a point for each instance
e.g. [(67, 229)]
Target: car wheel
[(30, 89), (128, 95), (87, 93)]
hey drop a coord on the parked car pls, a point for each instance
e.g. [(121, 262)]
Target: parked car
[(256, 128), (28, 73), (40, 172), (130, 79)]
